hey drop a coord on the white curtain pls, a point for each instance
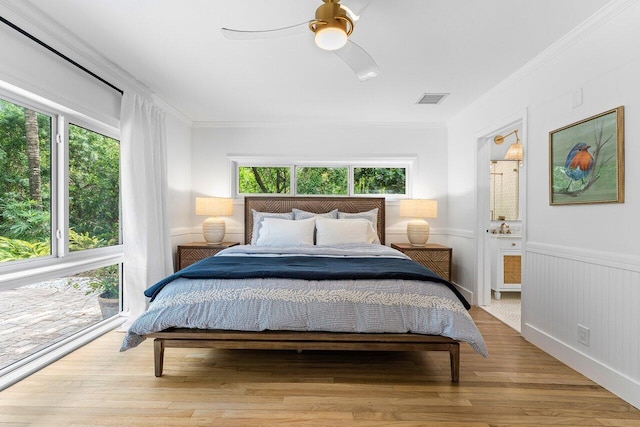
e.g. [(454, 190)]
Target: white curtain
[(145, 220)]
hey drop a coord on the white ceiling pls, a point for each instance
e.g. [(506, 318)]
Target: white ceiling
[(175, 47)]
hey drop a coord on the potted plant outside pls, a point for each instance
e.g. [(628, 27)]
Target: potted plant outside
[(105, 283)]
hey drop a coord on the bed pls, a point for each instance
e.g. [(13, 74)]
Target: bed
[(273, 294)]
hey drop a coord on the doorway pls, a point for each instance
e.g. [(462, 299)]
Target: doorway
[(500, 221)]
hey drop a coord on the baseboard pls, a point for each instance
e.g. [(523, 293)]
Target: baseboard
[(617, 383), (466, 293)]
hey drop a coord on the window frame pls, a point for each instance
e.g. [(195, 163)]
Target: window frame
[(409, 163), (61, 261)]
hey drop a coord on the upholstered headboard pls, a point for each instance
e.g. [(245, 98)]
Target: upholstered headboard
[(312, 204)]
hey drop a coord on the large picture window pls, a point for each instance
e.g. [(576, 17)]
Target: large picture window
[(60, 239), (348, 178)]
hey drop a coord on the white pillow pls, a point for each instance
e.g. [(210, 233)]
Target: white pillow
[(300, 214), (371, 216), (286, 232), (257, 221), (342, 231)]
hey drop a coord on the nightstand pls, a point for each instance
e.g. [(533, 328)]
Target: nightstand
[(193, 252), (435, 257)]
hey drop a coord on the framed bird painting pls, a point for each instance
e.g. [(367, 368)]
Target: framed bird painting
[(586, 160)]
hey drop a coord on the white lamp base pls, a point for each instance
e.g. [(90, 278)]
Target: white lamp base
[(418, 232), (213, 230)]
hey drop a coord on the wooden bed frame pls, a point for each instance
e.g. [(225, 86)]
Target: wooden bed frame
[(293, 340)]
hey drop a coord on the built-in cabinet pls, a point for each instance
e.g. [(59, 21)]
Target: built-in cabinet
[(506, 271)]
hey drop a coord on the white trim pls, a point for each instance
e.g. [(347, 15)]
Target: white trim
[(482, 141), (623, 386), (466, 293), (78, 262), (27, 366), (313, 124), (619, 261), (456, 232)]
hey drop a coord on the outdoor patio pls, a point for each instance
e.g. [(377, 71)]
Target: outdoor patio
[(36, 316)]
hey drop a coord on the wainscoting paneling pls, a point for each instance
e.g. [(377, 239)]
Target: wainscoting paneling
[(564, 288)]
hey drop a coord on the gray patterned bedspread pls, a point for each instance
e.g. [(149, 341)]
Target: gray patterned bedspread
[(373, 306)]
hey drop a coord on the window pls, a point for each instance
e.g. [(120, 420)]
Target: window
[(60, 239), (25, 182), (347, 178), (264, 180), (379, 181), (94, 189), (34, 212), (322, 180)]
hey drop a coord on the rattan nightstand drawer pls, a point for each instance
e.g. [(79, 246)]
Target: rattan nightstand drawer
[(435, 257), (194, 252)]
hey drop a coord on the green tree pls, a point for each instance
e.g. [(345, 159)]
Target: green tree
[(321, 180), (379, 180), (94, 184), (264, 180), (25, 185)]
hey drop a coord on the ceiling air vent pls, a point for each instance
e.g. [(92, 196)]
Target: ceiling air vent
[(432, 98)]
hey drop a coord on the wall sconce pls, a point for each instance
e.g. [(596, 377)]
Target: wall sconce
[(214, 228), (514, 152), (418, 228)]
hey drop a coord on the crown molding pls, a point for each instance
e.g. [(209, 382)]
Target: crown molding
[(308, 124), (595, 21)]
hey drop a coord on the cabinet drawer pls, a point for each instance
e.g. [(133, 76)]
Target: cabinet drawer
[(505, 243)]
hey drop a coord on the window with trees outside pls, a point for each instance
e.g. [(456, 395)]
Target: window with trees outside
[(346, 179), (59, 216)]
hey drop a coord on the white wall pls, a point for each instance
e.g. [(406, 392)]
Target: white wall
[(212, 170), (582, 262)]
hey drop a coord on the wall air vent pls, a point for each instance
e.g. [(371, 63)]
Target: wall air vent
[(432, 98)]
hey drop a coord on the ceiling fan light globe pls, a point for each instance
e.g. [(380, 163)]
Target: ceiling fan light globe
[(331, 38)]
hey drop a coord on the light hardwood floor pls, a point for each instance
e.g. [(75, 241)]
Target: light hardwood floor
[(517, 385)]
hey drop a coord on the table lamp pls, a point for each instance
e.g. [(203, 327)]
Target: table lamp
[(418, 209), (214, 228)]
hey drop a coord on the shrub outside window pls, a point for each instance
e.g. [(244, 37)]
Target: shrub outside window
[(322, 180), (379, 181)]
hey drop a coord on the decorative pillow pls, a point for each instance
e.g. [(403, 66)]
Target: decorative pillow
[(300, 214), (285, 232), (371, 216), (259, 216), (342, 231)]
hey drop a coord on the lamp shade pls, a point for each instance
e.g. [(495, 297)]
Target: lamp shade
[(419, 208), (214, 206), (514, 152)]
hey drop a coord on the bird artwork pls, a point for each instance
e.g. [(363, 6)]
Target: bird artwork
[(579, 163)]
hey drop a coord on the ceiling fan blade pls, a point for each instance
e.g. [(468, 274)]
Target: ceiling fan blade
[(356, 6), (358, 60), (265, 34)]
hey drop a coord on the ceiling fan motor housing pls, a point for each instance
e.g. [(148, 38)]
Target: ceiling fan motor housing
[(332, 16)]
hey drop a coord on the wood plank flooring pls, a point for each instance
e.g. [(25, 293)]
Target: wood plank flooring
[(518, 385)]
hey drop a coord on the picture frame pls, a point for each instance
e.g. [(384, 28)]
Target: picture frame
[(586, 160)]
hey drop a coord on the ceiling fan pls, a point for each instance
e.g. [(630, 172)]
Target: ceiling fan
[(332, 27)]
